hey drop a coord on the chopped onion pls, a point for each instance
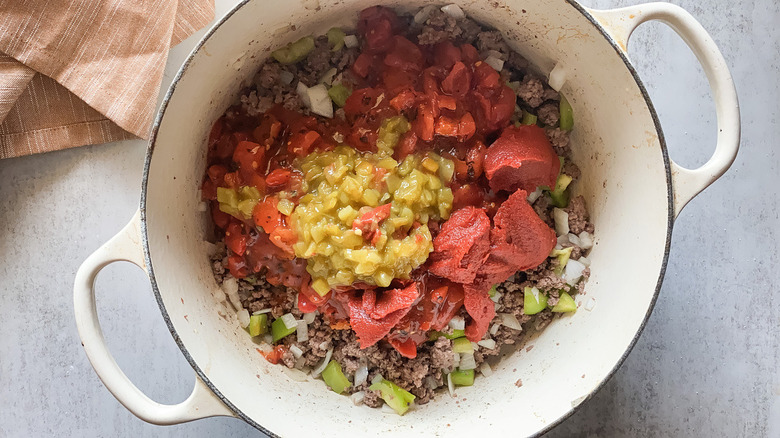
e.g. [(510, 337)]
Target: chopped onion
[(299, 363), (574, 240), (573, 272), (294, 374), (319, 101), (494, 329), (321, 367), (457, 323), (454, 11), (350, 41), (268, 338), (423, 14), (357, 398), (487, 343), (378, 378), (296, 351), (585, 261), (361, 374), (510, 321), (387, 410), (485, 369), (455, 359), (586, 240), (450, 385), (557, 77), (496, 297), (495, 54), (230, 286), (243, 317), (431, 383), (563, 240), (561, 219), (496, 63), (286, 77), (202, 206), (533, 196), (303, 93), (590, 304), (309, 317), (467, 361), (219, 294), (289, 321), (327, 77), (302, 331), (496, 306), (261, 311), (211, 249)]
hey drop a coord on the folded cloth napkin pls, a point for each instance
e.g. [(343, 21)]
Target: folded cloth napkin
[(83, 72)]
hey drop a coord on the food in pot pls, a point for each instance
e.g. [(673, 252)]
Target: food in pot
[(392, 205)]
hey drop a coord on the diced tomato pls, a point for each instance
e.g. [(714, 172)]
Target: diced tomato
[(275, 355), (235, 238), (268, 131), (362, 64), (308, 299), (407, 348), (424, 123), (476, 157), (217, 173), (233, 180), (397, 80), (403, 101), (406, 146), (266, 215), (278, 178), (485, 76), (445, 54), (446, 126), (249, 156), (458, 81), (301, 143), (224, 147), (362, 101), (469, 53), (284, 238), (377, 25), (469, 194), (368, 222), (208, 190), (430, 80), (237, 266), (405, 56), (220, 218)]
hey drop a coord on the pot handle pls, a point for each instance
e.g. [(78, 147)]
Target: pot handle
[(126, 246), (621, 23)]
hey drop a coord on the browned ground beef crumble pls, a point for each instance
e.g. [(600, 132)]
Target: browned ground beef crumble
[(424, 374)]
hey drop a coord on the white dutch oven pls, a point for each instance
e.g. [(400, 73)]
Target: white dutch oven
[(633, 190)]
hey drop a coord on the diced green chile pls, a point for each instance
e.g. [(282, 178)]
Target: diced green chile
[(335, 38), (339, 94), (395, 397), (567, 115), (294, 52), (258, 324), (279, 330), (531, 304), (565, 304), (335, 378), (462, 377)]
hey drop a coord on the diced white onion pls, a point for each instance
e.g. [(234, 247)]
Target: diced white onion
[(299, 363), (211, 249), (423, 14), (387, 410), (561, 219), (586, 240), (431, 383), (378, 378), (454, 11), (557, 77), (485, 369), (495, 54), (487, 343), (494, 329), (357, 398), (302, 331), (268, 338), (474, 346), (303, 93), (510, 321), (243, 318), (320, 102), (321, 367), (573, 272), (467, 361), (295, 374), (296, 351), (350, 41), (289, 321), (496, 306), (230, 287), (219, 294), (590, 304), (450, 385), (202, 206), (533, 196), (286, 77), (563, 240), (496, 63), (455, 359), (496, 297), (327, 77), (309, 317), (261, 311), (585, 261), (361, 374), (457, 323), (574, 239)]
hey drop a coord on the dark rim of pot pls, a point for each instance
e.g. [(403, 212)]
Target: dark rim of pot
[(242, 415)]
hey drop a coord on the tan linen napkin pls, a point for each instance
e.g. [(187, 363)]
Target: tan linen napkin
[(78, 72)]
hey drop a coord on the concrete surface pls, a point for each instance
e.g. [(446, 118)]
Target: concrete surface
[(705, 365)]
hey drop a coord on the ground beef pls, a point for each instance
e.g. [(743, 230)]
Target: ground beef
[(426, 373)]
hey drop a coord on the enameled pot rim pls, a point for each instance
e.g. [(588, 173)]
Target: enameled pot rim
[(145, 235)]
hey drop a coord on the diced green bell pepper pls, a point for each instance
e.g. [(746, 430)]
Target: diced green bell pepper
[(462, 377), (565, 304), (462, 345), (294, 52), (567, 115), (395, 397), (563, 257), (455, 335), (560, 195), (528, 118), (492, 291), (258, 324), (339, 94), (335, 38), (533, 304), (335, 378), (279, 330)]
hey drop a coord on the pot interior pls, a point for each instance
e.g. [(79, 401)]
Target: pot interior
[(625, 183)]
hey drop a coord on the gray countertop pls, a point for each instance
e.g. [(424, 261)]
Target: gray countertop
[(706, 364)]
